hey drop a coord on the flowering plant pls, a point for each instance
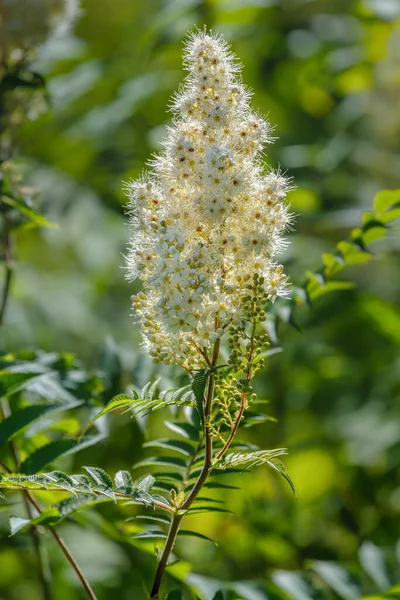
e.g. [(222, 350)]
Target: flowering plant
[(207, 223)]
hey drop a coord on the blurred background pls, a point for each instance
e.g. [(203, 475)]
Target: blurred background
[(327, 74)]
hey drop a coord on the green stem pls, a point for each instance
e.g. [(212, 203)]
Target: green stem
[(8, 275), (176, 521), (162, 563), (41, 555), (234, 428)]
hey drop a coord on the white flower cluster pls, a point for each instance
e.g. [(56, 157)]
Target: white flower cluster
[(207, 218)]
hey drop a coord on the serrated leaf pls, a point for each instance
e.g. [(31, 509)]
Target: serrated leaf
[(49, 516), (70, 505), (149, 390), (17, 523), (184, 392), (120, 401), (278, 465), (59, 479), (98, 482), (249, 460), (123, 479), (100, 477), (199, 383), (146, 484)]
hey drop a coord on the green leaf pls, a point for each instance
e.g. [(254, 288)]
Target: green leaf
[(21, 205), (139, 404), (22, 418), (391, 215), (202, 509), (184, 429), (199, 383), (278, 465), (100, 477), (249, 460), (155, 461), (161, 486), (372, 234), (333, 264), (120, 401), (146, 484), (70, 505), (47, 517), (216, 485), (252, 418), (386, 199), (157, 519), (178, 445), (123, 479), (169, 476), (352, 253), (17, 523), (206, 499), (13, 378), (186, 532), (331, 286), (45, 455), (98, 482), (148, 391), (151, 534), (48, 387)]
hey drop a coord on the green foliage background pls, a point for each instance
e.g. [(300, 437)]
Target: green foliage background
[(327, 73)]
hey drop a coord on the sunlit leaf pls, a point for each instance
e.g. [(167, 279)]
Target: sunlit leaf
[(45, 455), (199, 383)]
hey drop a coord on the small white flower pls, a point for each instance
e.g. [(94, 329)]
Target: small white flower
[(208, 217)]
